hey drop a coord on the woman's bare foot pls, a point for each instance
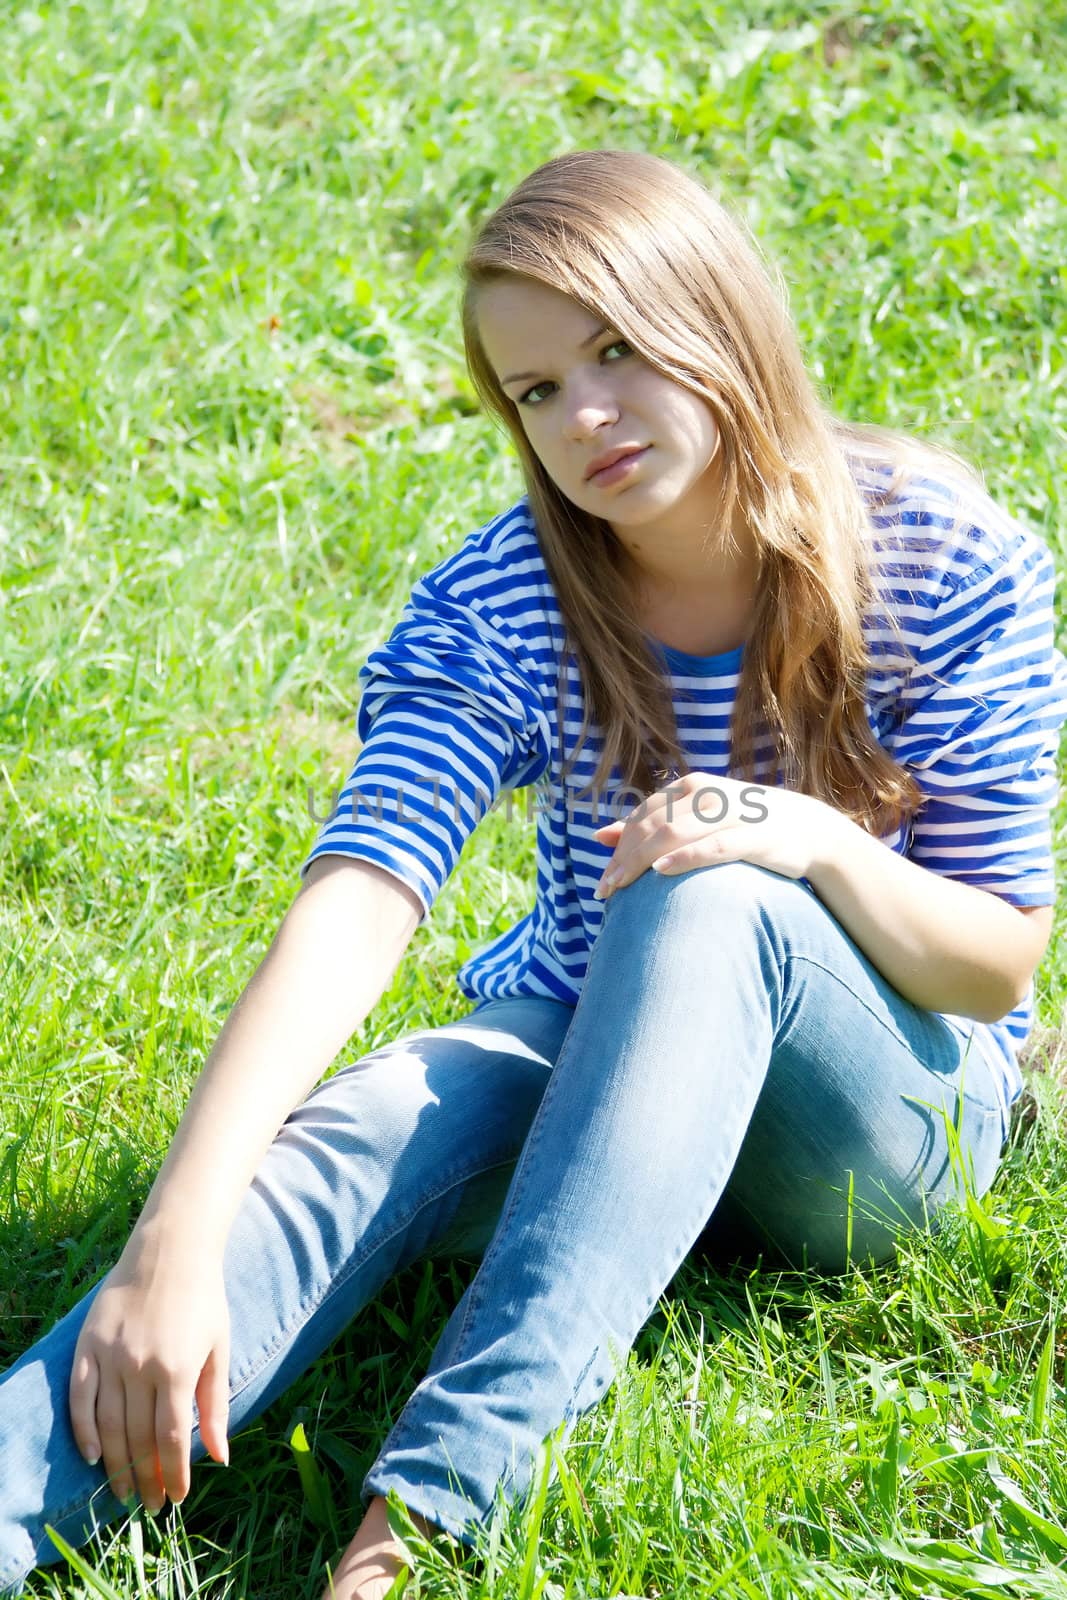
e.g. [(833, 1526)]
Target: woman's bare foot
[(369, 1566)]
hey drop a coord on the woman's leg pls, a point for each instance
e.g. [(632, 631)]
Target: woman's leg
[(407, 1151), (730, 1038)]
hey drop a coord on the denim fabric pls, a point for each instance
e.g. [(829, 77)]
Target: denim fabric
[(733, 1057)]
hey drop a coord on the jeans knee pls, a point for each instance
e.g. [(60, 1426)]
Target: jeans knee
[(371, 1108), (736, 890)]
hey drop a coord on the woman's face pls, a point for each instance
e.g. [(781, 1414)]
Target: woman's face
[(615, 436)]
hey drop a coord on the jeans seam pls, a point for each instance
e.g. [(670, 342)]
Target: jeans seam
[(530, 1145), (885, 1027), (528, 1148), (403, 1426), (475, 1301), (325, 1292)]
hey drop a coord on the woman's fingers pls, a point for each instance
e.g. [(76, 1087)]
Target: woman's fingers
[(174, 1428), (111, 1427), (84, 1385), (140, 1396), (143, 1349), (213, 1402)]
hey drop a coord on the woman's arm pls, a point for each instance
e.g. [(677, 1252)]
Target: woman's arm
[(158, 1331), (336, 949), (943, 944)]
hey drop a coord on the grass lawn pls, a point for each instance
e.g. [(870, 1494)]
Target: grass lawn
[(234, 426)]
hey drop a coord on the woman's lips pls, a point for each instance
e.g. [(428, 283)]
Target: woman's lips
[(618, 469)]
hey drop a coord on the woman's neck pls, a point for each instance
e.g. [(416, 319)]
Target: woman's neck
[(690, 554), (701, 605)]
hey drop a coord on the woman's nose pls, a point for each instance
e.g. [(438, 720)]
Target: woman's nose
[(591, 406)]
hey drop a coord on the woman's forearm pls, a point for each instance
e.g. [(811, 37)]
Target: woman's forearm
[(944, 945), (336, 949)]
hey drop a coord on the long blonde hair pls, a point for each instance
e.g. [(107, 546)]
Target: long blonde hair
[(647, 248)]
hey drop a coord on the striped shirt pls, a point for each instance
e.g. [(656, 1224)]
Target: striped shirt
[(463, 702)]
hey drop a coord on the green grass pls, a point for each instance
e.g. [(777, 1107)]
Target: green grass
[(234, 426)]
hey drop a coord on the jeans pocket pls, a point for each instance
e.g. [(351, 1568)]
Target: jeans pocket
[(982, 1138), (983, 1067)]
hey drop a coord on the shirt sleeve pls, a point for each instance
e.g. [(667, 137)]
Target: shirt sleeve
[(981, 730), (450, 716)]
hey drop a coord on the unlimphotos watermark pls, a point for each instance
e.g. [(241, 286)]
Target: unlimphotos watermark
[(426, 795)]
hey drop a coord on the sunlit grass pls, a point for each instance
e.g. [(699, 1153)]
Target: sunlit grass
[(234, 426)]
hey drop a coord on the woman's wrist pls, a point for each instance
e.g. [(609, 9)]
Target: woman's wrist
[(173, 1234), (829, 832)]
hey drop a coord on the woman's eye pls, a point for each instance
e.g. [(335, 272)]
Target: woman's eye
[(533, 395), (537, 393)]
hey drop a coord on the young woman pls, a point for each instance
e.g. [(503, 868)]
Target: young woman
[(788, 695)]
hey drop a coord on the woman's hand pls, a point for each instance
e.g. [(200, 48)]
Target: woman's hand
[(701, 820), (156, 1335)]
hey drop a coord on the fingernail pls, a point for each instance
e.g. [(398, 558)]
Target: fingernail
[(662, 864), (93, 1459)]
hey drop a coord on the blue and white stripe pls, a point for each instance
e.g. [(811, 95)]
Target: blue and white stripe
[(462, 704)]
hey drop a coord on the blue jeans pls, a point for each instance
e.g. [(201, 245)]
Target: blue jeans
[(733, 1052)]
